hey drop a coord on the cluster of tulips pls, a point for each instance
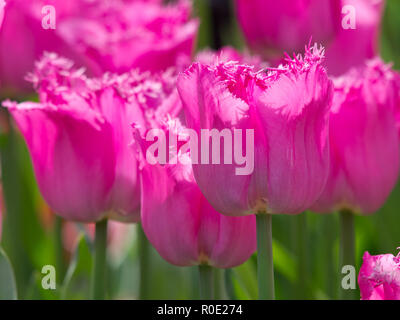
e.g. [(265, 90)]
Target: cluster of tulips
[(325, 124)]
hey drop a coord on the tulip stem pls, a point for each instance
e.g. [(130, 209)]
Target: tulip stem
[(144, 260), (99, 261), (265, 266), (301, 248), (206, 282), (59, 248), (230, 290), (347, 247)]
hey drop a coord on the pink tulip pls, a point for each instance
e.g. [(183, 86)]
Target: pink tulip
[(287, 109), (348, 29), (180, 223), (379, 277), (23, 40), (352, 47), (364, 141), (78, 136), (272, 27), (101, 35), (135, 34)]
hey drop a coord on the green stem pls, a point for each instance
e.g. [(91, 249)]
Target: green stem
[(301, 248), (59, 249), (144, 261), (99, 261), (230, 290), (206, 282), (265, 266), (219, 284), (347, 247), (329, 228)]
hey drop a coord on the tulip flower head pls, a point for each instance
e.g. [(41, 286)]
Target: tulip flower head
[(348, 29), (177, 219), (379, 277), (363, 139), (78, 136), (273, 27), (101, 35), (357, 40), (147, 35), (286, 107)]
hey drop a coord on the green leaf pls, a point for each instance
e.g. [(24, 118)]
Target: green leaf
[(284, 262), (77, 280), (8, 288), (245, 280)]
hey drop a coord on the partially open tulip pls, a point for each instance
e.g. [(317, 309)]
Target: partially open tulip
[(379, 277), (23, 38), (101, 35), (79, 134), (351, 47), (180, 223), (348, 29), (364, 141), (278, 124), (148, 35), (273, 27)]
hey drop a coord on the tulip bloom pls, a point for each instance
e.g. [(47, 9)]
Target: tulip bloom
[(272, 27), (352, 47), (364, 141), (288, 109), (348, 29), (379, 277), (78, 136), (147, 35), (171, 200), (100, 35), (23, 39)]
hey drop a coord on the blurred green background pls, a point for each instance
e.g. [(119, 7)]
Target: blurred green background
[(31, 234)]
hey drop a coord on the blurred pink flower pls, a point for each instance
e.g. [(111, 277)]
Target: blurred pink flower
[(364, 140), (23, 39), (101, 35), (379, 277), (352, 47), (180, 223), (272, 27), (135, 34), (79, 134), (288, 109)]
